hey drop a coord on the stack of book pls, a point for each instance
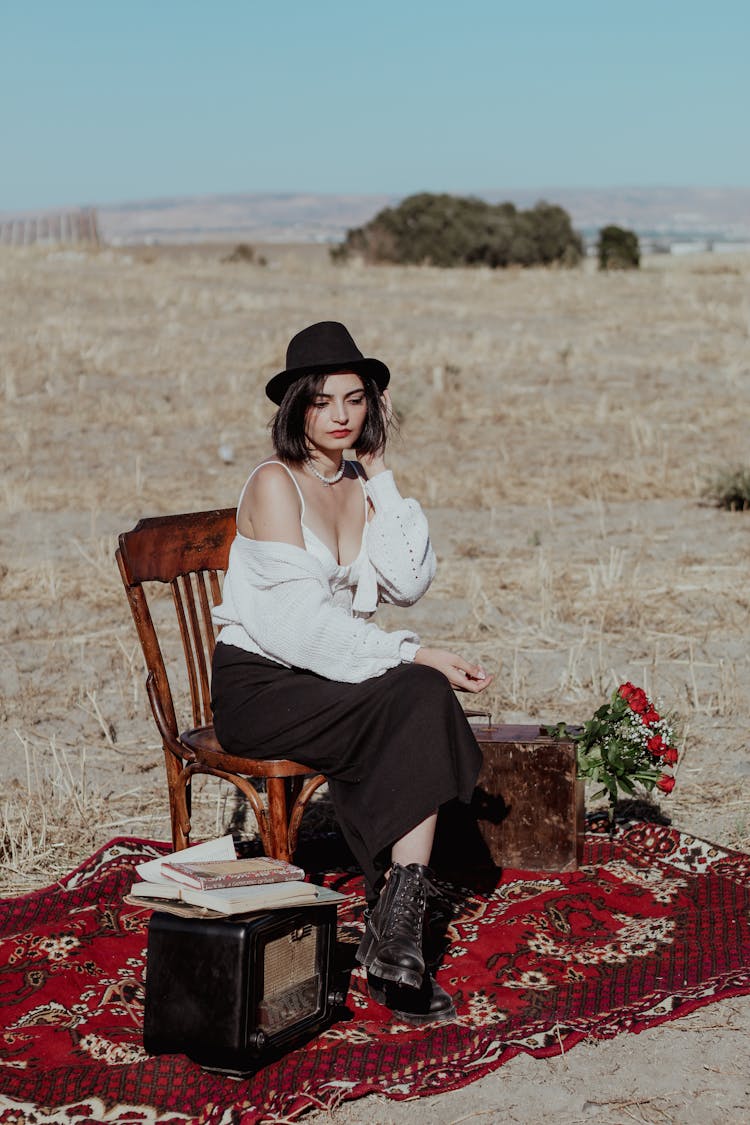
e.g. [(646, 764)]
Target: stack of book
[(209, 879)]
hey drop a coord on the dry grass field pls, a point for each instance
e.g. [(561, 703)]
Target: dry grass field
[(558, 427)]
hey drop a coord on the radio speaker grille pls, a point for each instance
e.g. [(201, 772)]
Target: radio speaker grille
[(291, 982)]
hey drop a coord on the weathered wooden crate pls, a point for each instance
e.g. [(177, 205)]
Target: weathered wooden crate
[(528, 802)]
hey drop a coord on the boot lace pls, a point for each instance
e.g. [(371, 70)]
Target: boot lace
[(406, 915)]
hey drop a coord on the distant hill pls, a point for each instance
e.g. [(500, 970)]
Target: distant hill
[(254, 217), (296, 217), (691, 212), (668, 213)]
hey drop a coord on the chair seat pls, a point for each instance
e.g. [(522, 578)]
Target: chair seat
[(203, 743)]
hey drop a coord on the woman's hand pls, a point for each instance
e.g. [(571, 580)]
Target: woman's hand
[(374, 463), (460, 673)]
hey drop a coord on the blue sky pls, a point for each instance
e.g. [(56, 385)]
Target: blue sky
[(107, 100)]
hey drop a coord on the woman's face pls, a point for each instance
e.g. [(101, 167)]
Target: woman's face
[(337, 413)]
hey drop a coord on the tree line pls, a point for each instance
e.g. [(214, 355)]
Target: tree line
[(450, 230)]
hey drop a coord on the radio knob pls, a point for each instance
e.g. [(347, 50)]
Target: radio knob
[(257, 1042)]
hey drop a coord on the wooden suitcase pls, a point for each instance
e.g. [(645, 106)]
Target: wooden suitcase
[(528, 802)]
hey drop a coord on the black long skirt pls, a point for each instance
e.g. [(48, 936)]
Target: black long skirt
[(393, 748)]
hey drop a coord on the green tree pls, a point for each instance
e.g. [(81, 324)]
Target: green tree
[(449, 230), (618, 249), (555, 239)]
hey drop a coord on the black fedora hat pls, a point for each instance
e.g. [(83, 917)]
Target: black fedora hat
[(322, 349)]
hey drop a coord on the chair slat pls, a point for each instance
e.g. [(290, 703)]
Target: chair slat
[(206, 605), (202, 701), (213, 579), (178, 593), (199, 644)]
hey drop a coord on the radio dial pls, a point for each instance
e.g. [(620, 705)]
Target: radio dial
[(257, 1041)]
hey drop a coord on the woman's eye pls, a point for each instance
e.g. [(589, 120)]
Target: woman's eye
[(356, 401)]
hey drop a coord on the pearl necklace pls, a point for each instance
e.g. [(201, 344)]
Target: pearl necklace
[(328, 480)]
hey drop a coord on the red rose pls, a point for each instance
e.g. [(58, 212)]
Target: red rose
[(626, 690), (638, 701), (655, 744), (670, 756), (665, 783), (651, 716)]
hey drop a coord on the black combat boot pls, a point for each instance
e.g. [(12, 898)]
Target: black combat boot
[(427, 1004), (392, 944)]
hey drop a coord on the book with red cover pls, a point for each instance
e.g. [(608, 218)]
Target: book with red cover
[(216, 874)]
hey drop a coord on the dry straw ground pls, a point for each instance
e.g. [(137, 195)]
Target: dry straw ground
[(557, 426)]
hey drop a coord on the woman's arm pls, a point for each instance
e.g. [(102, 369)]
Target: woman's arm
[(398, 538), (400, 550), (398, 543)]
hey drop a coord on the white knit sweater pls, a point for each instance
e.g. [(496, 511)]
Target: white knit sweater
[(302, 609)]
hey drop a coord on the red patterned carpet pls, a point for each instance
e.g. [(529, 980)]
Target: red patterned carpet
[(654, 925)]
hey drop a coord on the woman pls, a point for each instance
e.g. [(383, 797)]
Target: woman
[(299, 671)]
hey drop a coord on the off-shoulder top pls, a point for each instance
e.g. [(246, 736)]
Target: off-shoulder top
[(303, 609)]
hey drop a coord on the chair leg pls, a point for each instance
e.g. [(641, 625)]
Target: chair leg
[(287, 800), (178, 785), (303, 793), (278, 823), (278, 818)]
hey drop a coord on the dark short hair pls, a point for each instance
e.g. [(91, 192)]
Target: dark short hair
[(288, 425)]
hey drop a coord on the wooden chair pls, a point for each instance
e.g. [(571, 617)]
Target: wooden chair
[(189, 553)]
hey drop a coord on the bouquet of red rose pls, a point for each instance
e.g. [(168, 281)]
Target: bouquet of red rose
[(627, 741)]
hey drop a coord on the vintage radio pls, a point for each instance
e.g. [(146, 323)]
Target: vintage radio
[(528, 802), (230, 993)]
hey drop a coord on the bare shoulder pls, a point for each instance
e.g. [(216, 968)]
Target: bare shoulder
[(270, 508), (272, 480)]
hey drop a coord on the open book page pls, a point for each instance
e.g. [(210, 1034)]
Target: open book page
[(210, 850)]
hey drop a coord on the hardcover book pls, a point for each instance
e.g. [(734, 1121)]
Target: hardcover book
[(229, 900), (231, 873)]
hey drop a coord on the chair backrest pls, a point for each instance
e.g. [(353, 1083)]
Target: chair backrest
[(189, 553)]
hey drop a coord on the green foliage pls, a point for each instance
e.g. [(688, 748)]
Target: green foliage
[(730, 488), (618, 249), (450, 230), (625, 742)]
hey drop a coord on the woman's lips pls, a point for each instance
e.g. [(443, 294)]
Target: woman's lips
[(340, 433)]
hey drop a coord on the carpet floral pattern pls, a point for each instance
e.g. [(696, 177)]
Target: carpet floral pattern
[(653, 925)]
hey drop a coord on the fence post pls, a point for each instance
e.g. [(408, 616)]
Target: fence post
[(60, 227)]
